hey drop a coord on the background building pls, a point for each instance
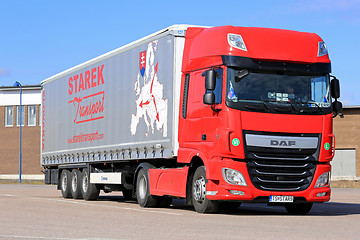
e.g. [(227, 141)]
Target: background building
[(346, 164), (9, 132)]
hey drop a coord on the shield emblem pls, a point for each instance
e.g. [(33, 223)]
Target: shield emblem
[(142, 63)]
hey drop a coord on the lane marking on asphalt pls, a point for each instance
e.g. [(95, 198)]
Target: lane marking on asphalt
[(51, 238), (29, 237), (8, 195)]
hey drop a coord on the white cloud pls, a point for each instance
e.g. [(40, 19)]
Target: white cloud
[(4, 72)]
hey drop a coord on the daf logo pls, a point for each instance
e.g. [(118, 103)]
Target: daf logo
[(282, 143)]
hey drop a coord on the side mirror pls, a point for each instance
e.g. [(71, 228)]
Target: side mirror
[(210, 84), (337, 106), (210, 79), (209, 98), (335, 88)]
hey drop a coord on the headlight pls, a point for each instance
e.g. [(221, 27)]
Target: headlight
[(323, 180), (236, 41), (232, 176), (322, 49)]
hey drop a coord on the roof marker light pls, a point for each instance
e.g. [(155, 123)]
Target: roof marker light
[(322, 50), (236, 41)]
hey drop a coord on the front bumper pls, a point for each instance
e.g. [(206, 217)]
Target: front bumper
[(218, 189)]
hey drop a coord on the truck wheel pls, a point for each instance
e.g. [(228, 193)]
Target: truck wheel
[(89, 190), (200, 202), (143, 190), (76, 184), (298, 209), (65, 183)]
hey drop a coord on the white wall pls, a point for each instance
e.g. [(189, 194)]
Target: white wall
[(29, 97), (344, 164)]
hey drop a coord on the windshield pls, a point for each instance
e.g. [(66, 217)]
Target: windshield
[(271, 90)]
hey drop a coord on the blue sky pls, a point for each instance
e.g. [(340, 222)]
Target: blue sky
[(39, 38)]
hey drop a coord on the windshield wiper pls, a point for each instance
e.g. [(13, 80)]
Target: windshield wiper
[(278, 108), (282, 109), (263, 102), (318, 106), (292, 106), (254, 107)]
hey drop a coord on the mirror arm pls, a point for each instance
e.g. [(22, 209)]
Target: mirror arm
[(215, 110), (337, 107)]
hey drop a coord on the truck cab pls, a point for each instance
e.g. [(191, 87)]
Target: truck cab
[(257, 109)]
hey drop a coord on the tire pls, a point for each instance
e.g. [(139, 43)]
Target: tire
[(143, 191), (65, 183), (89, 190), (76, 184), (199, 200), (298, 209)]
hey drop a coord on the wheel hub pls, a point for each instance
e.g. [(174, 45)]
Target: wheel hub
[(142, 187), (85, 183), (64, 183), (199, 190), (74, 182)]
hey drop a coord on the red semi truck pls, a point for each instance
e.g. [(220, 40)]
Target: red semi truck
[(214, 115)]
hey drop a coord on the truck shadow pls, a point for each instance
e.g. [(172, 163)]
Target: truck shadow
[(256, 209), (318, 209)]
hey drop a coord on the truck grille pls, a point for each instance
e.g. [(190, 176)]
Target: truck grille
[(282, 154), (281, 175), (281, 161)]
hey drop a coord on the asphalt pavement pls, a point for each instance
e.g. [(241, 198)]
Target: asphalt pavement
[(39, 212)]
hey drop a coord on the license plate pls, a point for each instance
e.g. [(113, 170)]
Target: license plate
[(281, 199)]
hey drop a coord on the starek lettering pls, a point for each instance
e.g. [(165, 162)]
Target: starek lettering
[(89, 107), (93, 78)]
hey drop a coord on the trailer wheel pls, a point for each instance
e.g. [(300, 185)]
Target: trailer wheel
[(65, 183), (298, 208), (89, 190), (76, 184), (143, 190), (199, 200)]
